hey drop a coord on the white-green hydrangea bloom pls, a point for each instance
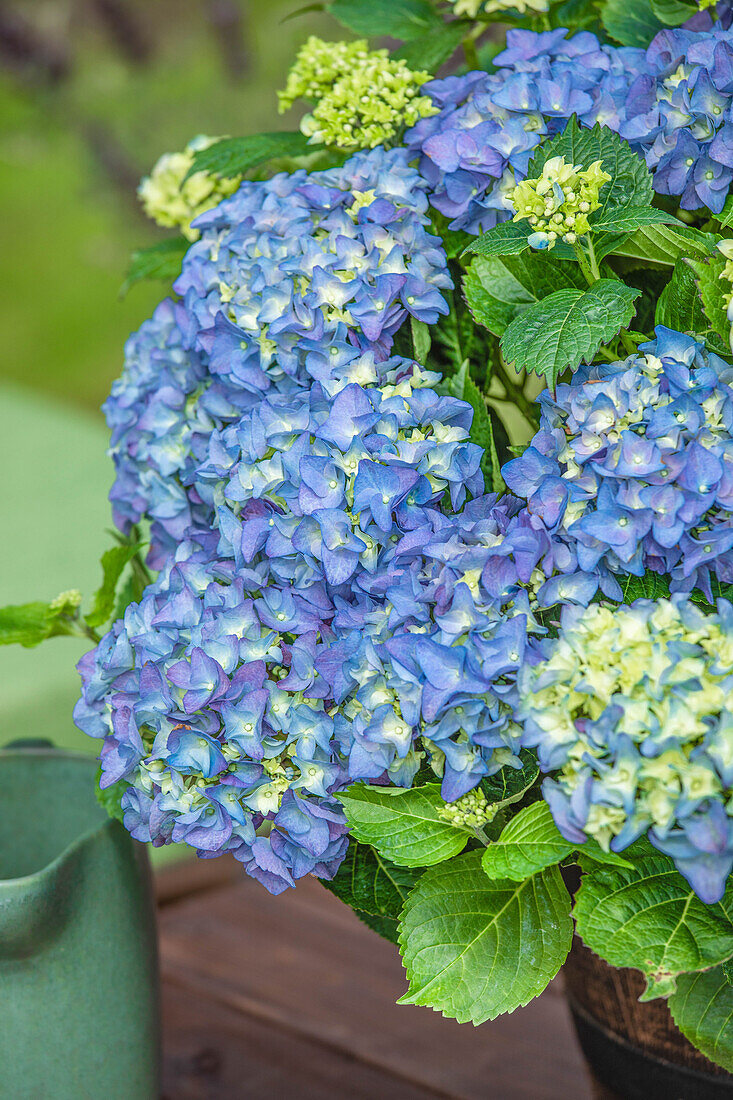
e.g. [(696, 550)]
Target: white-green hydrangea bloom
[(363, 98), (173, 203), (632, 712), (557, 203), (471, 8)]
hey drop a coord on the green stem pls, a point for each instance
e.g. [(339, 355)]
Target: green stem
[(77, 628), (469, 50), (481, 835), (592, 258)]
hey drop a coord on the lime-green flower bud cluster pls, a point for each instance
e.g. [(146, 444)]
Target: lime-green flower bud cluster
[(170, 201), (471, 811), (318, 65), (471, 8), (558, 202), (363, 98), (67, 603)]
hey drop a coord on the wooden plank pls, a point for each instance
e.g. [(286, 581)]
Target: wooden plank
[(303, 963), (190, 875), (212, 1052)]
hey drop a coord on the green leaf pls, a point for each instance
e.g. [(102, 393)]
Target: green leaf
[(568, 327), (113, 563), (625, 219), (650, 586), (111, 797), (403, 19), (493, 295), (707, 277), (497, 289), (26, 624), (715, 343), (578, 14), (649, 918), (370, 883), (725, 217), (233, 156), (530, 842), (664, 244), (679, 305), (491, 465), (386, 927), (403, 825), (727, 968), (631, 22), (702, 1008), (631, 181), (159, 261), (473, 948), (592, 850), (456, 383), (482, 433), (674, 12), (130, 592), (431, 50), (509, 784), (505, 239), (305, 10), (420, 340)]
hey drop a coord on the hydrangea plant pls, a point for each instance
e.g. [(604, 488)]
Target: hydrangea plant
[(424, 500)]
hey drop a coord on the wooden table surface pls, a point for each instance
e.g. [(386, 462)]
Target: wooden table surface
[(293, 998)]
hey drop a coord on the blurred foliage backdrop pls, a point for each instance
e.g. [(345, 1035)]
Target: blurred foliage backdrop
[(91, 93)]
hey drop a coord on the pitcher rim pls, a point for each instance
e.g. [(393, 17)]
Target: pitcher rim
[(79, 842)]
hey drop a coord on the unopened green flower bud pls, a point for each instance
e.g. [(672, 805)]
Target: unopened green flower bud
[(66, 602), (472, 811)]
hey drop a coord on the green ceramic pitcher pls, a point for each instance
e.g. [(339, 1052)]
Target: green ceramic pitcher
[(78, 964)]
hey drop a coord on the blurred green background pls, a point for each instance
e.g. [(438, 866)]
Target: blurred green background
[(91, 93)]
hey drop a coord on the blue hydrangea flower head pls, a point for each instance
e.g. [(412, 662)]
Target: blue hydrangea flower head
[(314, 486), (478, 146), (212, 716), (162, 411), (632, 465), (629, 709), (679, 113), (298, 279), (427, 646), (300, 267)]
